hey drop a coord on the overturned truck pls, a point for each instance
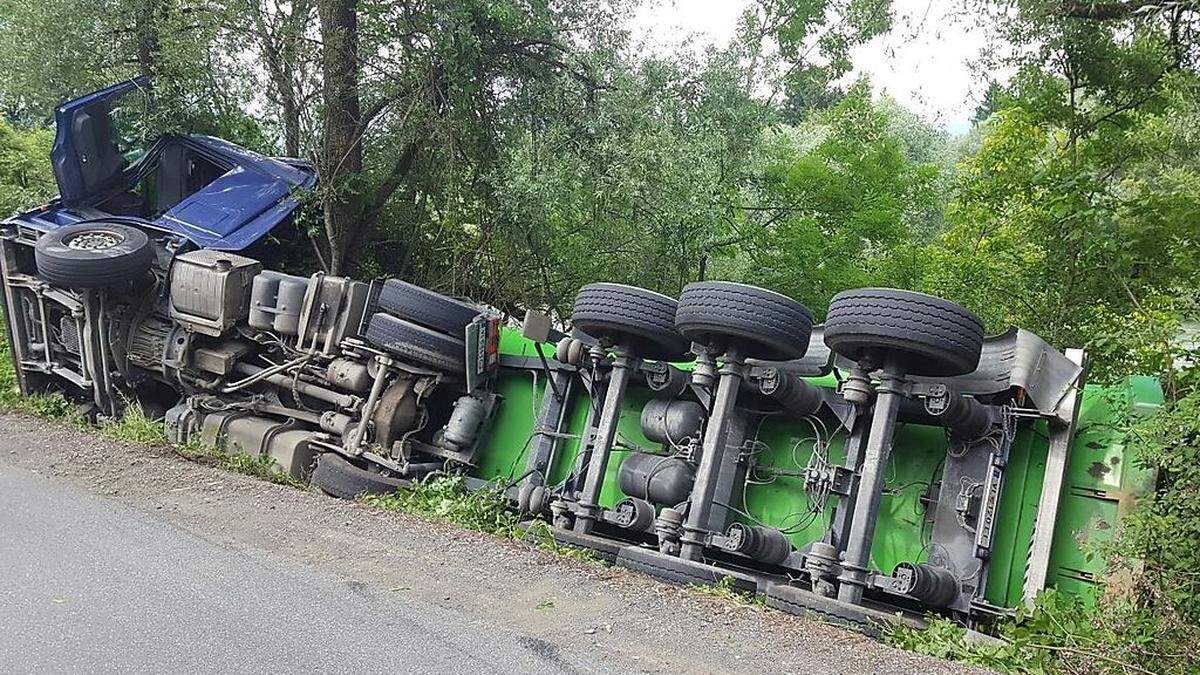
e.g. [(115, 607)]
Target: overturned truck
[(892, 461)]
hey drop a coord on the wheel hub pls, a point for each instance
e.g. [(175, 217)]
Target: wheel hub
[(96, 240)]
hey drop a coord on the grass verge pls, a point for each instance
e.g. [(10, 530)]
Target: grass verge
[(446, 498)]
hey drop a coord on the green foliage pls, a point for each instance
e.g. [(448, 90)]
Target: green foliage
[(135, 427), (1158, 543), (193, 50), (1044, 224), (1060, 635), (838, 204), (25, 176), (446, 498), (802, 47), (647, 172)]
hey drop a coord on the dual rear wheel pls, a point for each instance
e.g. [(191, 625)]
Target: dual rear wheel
[(422, 326), (924, 334)]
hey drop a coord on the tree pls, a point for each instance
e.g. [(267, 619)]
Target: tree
[(287, 54), (1083, 192), (199, 84), (637, 184), (798, 49), (837, 205), (414, 91)]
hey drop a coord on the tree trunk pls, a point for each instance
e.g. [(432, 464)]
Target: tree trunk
[(146, 18), (279, 35), (341, 153), (291, 125)]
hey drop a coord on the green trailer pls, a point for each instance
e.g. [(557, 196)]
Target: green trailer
[(1073, 475)]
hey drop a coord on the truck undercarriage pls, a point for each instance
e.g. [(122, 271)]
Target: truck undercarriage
[(891, 459), (834, 469)]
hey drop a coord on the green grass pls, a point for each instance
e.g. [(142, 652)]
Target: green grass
[(135, 427), (447, 498)]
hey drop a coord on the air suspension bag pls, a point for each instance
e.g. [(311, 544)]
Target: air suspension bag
[(670, 421), (658, 479)]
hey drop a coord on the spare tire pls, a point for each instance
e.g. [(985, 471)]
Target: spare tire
[(424, 307), (762, 323), (930, 336), (416, 343), (336, 476), (93, 255), (643, 319)]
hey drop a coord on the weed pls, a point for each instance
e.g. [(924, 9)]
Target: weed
[(545, 604), (446, 498), (1059, 634), (258, 466), (46, 406), (135, 427), (52, 406), (261, 466)]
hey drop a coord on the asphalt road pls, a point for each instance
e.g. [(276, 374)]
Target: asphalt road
[(88, 584)]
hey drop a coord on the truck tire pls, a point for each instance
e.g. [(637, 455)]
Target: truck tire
[(762, 323), (642, 318), (416, 343), (426, 308), (929, 335), (93, 255), (336, 476)]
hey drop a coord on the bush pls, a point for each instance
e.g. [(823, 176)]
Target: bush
[(25, 175)]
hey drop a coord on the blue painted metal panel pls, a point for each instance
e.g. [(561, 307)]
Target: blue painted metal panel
[(65, 155), (230, 213)]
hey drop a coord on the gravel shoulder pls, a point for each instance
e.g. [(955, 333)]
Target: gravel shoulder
[(565, 610)]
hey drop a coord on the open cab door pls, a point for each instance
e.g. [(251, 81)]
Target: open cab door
[(86, 157)]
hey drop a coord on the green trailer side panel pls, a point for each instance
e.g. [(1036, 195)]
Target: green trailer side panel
[(1102, 482), (507, 440), (1017, 514), (782, 502)]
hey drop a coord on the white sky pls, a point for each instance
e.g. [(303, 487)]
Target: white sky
[(923, 62)]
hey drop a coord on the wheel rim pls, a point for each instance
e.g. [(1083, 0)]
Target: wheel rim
[(94, 240)]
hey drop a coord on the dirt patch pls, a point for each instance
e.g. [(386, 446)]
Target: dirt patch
[(620, 618)]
